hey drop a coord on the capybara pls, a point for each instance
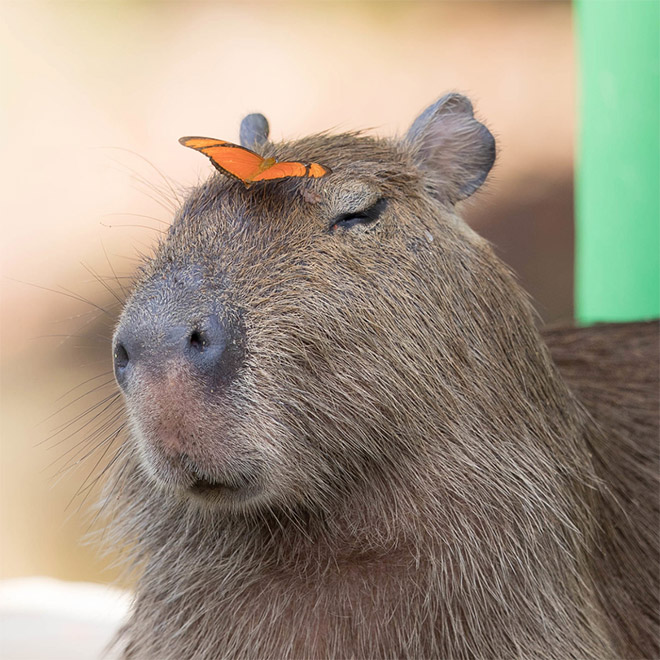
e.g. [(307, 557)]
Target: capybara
[(349, 440)]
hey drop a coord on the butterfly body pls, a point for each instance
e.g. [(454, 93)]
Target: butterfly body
[(248, 166)]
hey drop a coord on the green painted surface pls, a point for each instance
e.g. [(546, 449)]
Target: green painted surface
[(617, 242)]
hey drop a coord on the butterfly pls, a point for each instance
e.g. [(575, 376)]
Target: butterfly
[(247, 166)]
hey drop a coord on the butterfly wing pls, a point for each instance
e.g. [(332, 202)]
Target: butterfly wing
[(281, 171), (294, 169), (227, 157), (316, 171), (248, 166)]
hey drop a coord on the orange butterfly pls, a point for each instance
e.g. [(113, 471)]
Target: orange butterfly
[(248, 167)]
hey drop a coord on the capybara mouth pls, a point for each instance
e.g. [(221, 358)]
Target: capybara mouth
[(204, 486), (240, 482)]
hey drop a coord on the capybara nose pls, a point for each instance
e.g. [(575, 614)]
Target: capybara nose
[(208, 346)]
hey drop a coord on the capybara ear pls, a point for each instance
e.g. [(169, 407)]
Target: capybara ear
[(452, 148), (254, 131)]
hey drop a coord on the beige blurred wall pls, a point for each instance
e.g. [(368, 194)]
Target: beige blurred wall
[(92, 89)]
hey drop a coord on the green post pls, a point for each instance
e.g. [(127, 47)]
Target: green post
[(617, 232)]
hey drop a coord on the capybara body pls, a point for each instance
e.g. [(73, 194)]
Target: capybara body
[(349, 440)]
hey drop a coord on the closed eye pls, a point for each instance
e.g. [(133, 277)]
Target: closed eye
[(364, 217)]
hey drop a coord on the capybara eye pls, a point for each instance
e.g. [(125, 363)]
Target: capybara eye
[(364, 217)]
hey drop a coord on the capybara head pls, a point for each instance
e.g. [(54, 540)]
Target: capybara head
[(286, 337), (348, 437)]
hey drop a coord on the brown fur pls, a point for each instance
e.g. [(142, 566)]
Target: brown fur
[(424, 482)]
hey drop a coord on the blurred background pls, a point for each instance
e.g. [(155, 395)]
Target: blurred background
[(95, 96)]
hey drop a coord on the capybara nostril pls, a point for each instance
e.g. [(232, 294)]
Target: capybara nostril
[(198, 340), (207, 337), (121, 361), (214, 347), (210, 347), (129, 344)]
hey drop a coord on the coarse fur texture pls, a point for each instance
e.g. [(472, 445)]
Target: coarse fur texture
[(394, 464)]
